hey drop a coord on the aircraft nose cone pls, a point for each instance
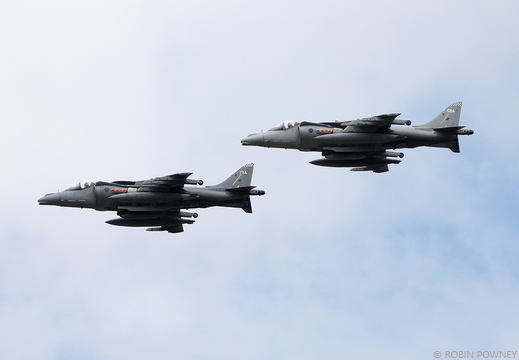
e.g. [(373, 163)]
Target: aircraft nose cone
[(254, 139), (50, 199)]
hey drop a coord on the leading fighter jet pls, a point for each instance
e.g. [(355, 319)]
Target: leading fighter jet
[(157, 203), (364, 144)]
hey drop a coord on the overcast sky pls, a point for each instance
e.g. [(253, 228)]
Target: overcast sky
[(332, 264)]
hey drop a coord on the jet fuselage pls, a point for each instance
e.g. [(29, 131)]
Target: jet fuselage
[(158, 201), (315, 137), (108, 197), (364, 144)]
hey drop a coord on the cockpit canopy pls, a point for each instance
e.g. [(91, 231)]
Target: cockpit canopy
[(80, 186), (285, 125)]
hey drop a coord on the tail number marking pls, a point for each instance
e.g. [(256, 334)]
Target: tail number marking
[(242, 172)]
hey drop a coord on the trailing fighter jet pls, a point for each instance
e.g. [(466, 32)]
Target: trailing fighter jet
[(157, 203), (364, 144)]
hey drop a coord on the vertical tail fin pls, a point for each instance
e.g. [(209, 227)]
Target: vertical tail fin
[(448, 118), (241, 178)]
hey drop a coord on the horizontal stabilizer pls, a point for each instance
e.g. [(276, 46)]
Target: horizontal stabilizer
[(456, 130), (448, 129), (244, 189)]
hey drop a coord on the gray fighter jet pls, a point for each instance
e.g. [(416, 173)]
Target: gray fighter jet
[(157, 203), (364, 144)]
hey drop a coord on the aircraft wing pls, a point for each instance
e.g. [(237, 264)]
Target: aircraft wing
[(372, 124), (168, 182)]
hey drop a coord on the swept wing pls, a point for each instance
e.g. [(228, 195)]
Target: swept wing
[(168, 182), (374, 123), (158, 218)]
